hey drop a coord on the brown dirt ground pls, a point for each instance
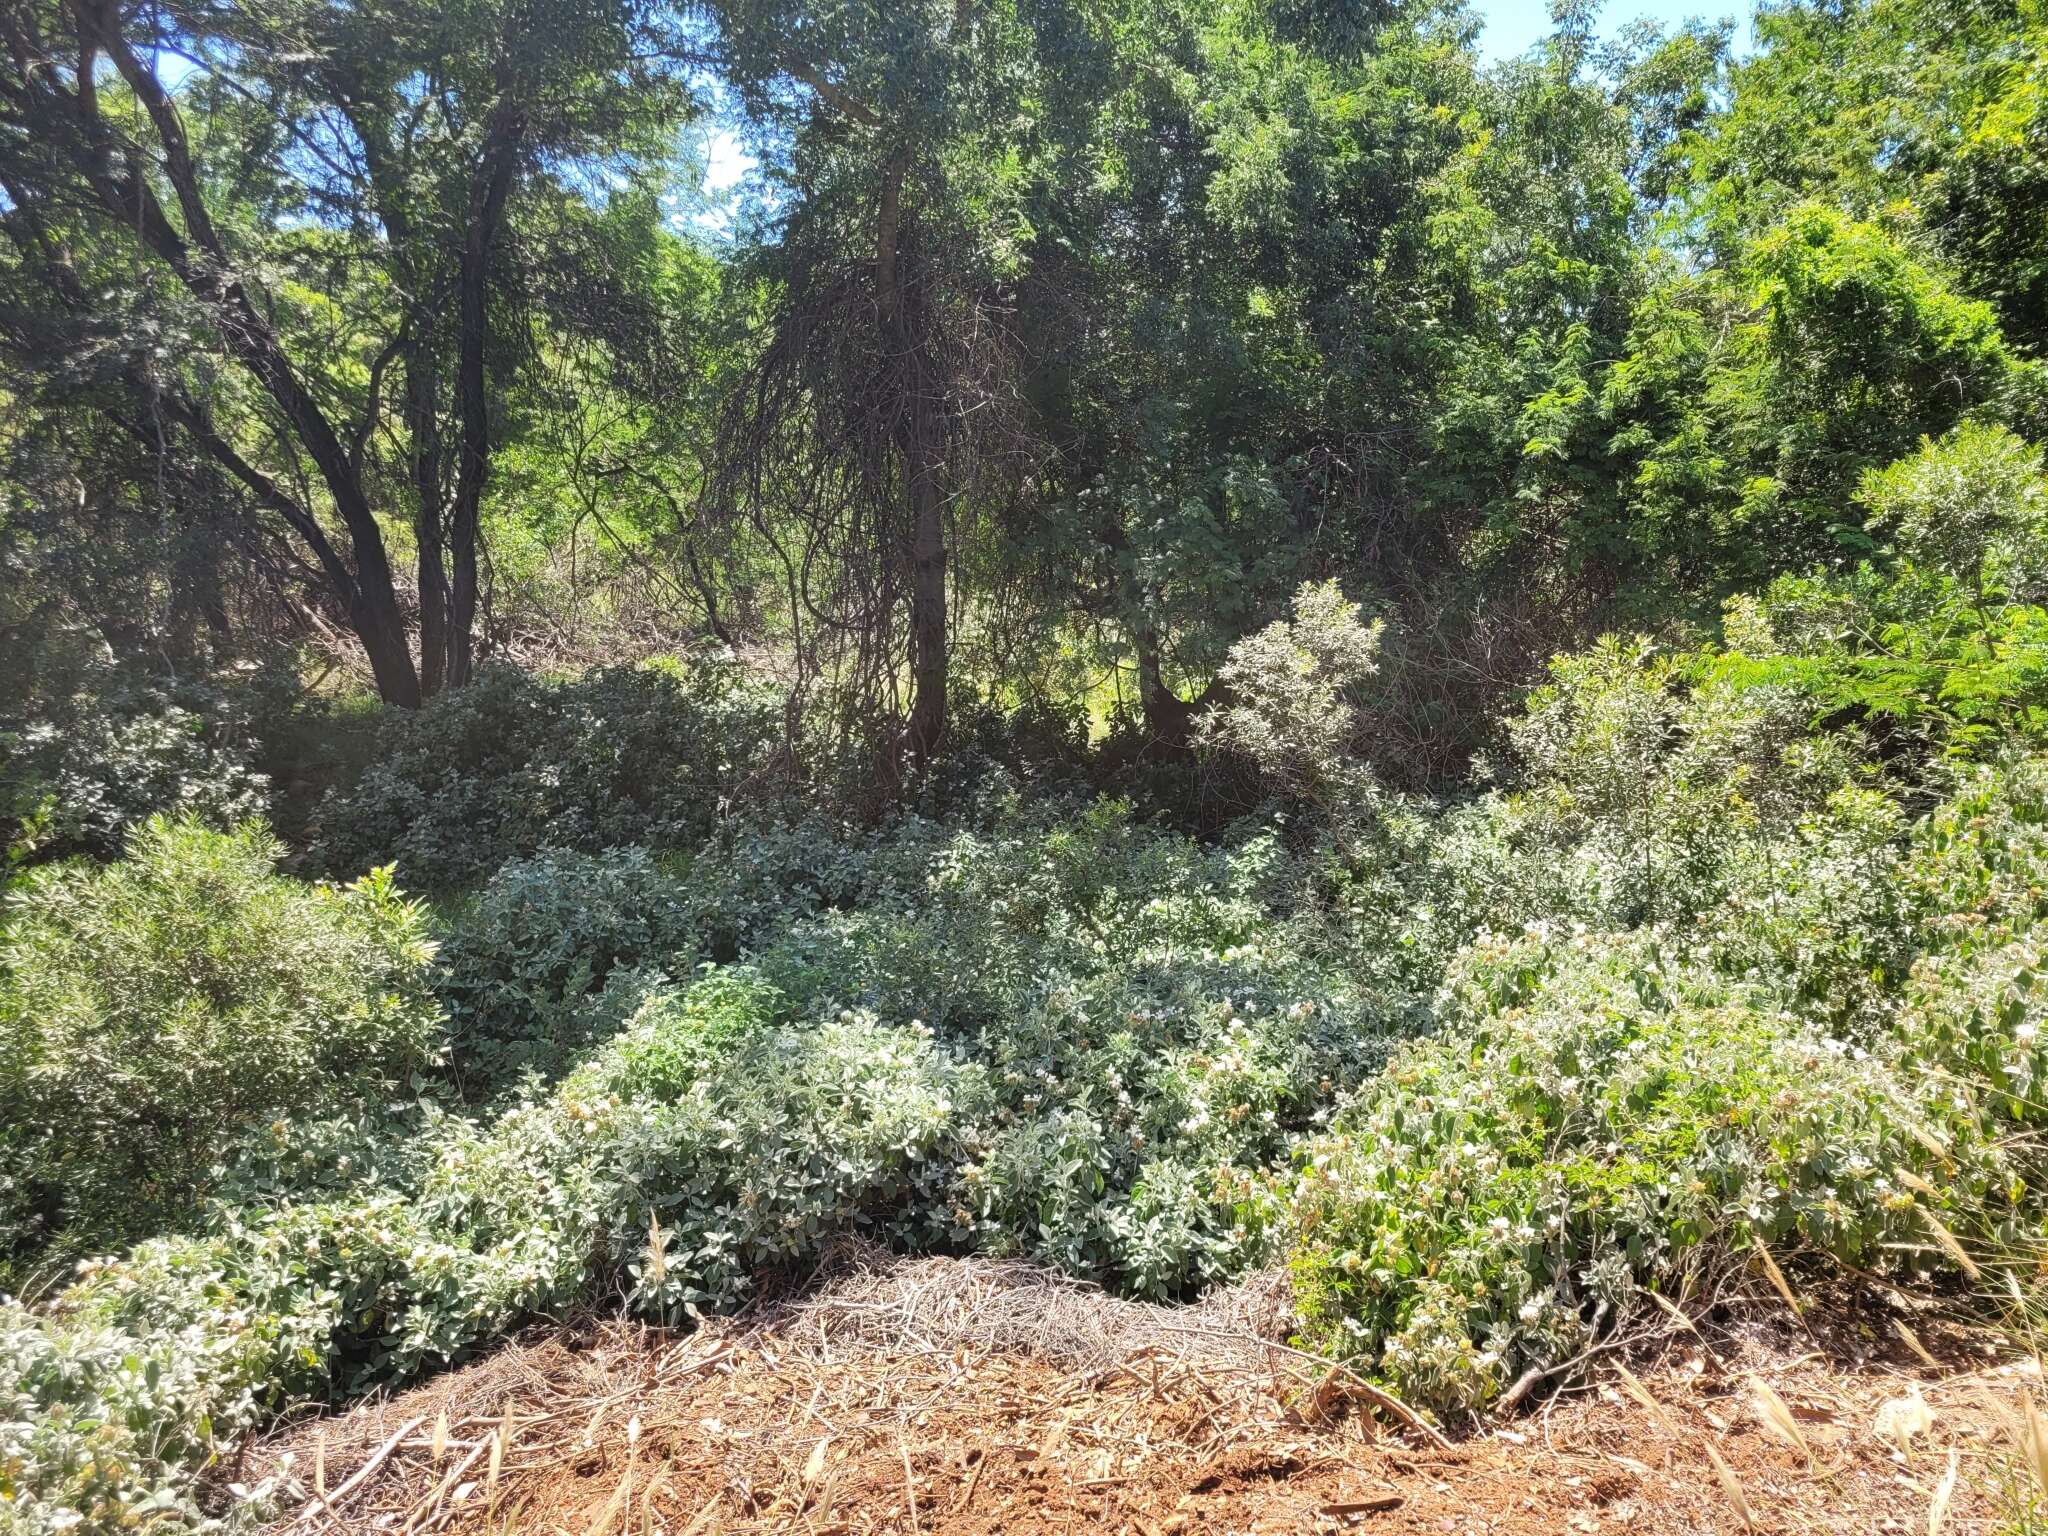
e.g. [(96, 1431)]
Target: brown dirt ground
[(871, 1407)]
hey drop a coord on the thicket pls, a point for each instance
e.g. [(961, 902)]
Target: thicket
[(85, 768), (1254, 643), (513, 764), (154, 1008), (1700, 977)]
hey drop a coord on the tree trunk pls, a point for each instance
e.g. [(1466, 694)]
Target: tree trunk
[(426, 521), (1168, 717), (487, 207), (902, 327), (927, 591), (434, 606), (370, 117)]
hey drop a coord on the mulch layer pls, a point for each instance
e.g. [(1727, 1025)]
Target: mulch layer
[(958, 1397)]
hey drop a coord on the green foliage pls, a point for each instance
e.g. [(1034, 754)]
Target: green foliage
[(153, 1008), (1972, 507), (520, 966), (510, 765), (102, 1425), (1642, 796), (1687, 986), (1597, 1115), (1923, 109), (1752, 402), (85, 771), (1976, 998), (1717, 997), (1292, 689), (1201, 318), (1942, 645), (1072, 1038)]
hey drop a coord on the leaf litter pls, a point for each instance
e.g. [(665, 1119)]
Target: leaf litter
[(960, 1397)]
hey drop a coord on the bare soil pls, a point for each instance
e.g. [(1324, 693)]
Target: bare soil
[(954, 1398)]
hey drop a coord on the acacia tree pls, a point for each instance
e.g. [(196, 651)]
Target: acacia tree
[(124, 546), (336, 244)]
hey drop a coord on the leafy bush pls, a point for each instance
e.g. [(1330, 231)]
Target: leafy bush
[(520, 967), (1597, 1119), (1292, 690), (1944, 646), (1976, 998), (103, 1426), (1741, 1000), (1972, 507), (1647, 788), (754, 877), (1036, 748), (78, 779), (151, 1008), (510, 765), (1077, 1039), (1741, 1005), (1143, 1028)]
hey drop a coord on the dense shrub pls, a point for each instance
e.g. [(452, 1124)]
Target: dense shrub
[(753, 878), (153, 1007), (1977, 995), (1072, 1038), (520, 968), (1738, 1001), (1292, 690), (510, 765), (103, 1424), (83, 773), (1141, 1030), (1690, 981), (1036, 748), (1597, 1119)]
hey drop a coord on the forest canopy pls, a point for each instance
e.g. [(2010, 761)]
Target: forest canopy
[(1052, 349), (1179, 639)]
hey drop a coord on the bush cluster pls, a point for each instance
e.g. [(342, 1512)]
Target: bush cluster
[(510, 765), (524, 966), (1738, 1004), (89, 769), (1600, 1119), (1063, 1036), (1724, 960)]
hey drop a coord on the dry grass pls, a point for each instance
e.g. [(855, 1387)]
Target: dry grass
[(959, 1397)]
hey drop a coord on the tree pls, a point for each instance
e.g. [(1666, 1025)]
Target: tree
[(879, 414), (1931, 112), (1750, 401), (335, 236), (1242, 315)]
